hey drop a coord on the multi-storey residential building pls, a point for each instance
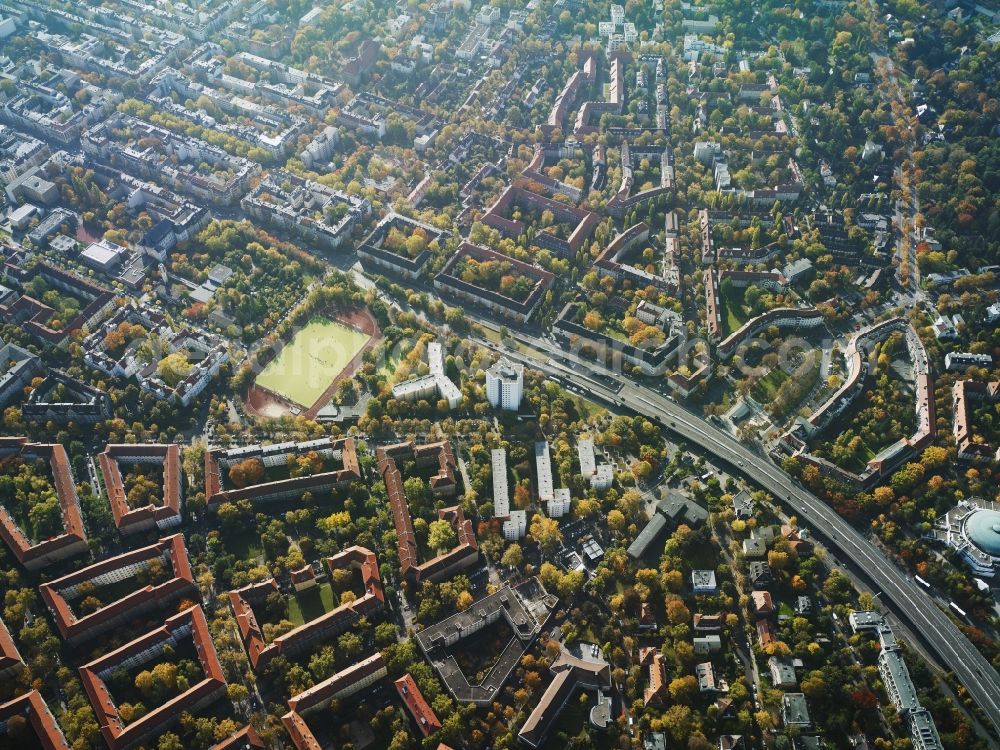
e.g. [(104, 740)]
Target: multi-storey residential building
[(367, 113), (168, 554), (34, 315), (35, 554), (417, 705), (318, 630), (624, 201), (545, 152), (600, 476), (856, 356), (61, 398), (436, 382), (18, 367), (158, 153), (543, 471), (343, 684), (611, 261), (525, 609), (276, 131), (443, 483), (41, 108), (965, 393), (490, 299), (176, 219), (42, 729), (244, 739), (501, 494), (373, 251), (133, 361), (571, 673), (282, 83), (789, 318), (308, 209), (515, 526), (10, 658), (187, 625), (279, 454), (19, 153), (582, 220), (131, 520), (560, 504), (505, 384), (651, 359)]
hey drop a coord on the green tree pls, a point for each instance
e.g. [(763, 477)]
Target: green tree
[(441, 535)]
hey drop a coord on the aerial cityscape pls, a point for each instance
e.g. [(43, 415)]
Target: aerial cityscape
[(497, 374)]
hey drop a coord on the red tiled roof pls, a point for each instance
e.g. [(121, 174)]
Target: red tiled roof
[(245, 739), (305, 573), (111, 472), (364, 560), (467, 547), (414, 700), (73, 628), (765, 631), (321, 693), (73, 539), (336, 620), (40, 719), (119, 735), (657, 688), (10, 657), (299, 731), (350, 471)]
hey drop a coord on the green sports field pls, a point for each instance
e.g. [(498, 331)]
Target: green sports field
[(312, 360)]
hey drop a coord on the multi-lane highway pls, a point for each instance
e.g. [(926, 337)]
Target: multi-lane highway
[(909, 602)]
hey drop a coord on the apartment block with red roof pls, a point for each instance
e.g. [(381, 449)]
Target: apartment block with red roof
[(216, 461), (35, 554), (466, 551), (656, 691), (318, 630), (245, 739), (417, 705), (343, 684), (61, 594), (583, 221), (303, 578), (131, 520), (10, 658), (189, 624), (29, 712)]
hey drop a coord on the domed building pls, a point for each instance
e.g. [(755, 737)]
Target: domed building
[(972, 528)]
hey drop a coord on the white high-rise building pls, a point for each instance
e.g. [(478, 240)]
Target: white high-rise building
[(560, 503), (515, 527), (505, 384), (543, 465), (501, 496), (600, 477)]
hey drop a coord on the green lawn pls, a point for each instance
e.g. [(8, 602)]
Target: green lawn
[(731, 312), (307, 364), (390, 364), (307, 605), (244, 543), (767, 386)]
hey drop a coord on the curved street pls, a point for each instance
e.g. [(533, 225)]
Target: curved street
[(899, 592)]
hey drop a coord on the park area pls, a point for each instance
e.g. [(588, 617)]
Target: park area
[(307, 367)]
